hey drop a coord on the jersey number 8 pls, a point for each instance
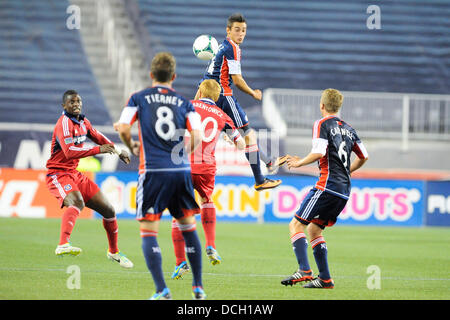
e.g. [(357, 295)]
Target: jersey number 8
[(165, 117)]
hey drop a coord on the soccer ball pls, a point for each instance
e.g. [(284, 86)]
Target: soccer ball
[(205, 47)]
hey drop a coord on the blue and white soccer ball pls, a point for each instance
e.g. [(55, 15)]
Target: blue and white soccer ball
[(205, 47)]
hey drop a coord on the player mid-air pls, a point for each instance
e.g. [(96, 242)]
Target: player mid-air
[(72, 188), (203, 168), (225, 68), (333, 142), (164, 172)]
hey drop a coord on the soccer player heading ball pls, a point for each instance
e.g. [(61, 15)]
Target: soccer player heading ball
[(72, 188), (225, 68), (332, 144)]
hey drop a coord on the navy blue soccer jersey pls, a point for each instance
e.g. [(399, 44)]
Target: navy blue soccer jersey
[(163, 116), (336, 140), (226, 62)]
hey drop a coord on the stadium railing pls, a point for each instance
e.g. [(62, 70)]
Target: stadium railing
[(118, 55), (383, 115)]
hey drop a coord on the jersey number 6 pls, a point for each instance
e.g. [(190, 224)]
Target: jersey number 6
[(342, 152)]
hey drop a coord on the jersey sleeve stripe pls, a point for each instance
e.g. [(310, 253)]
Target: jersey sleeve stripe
[(235, 50), (106, 138), (360, 150), (316, 129), (72, 148), (128, 115), (317, 125), (65, 125)]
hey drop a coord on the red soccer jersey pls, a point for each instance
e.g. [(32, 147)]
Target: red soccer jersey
[(214, 120), (68, 139)]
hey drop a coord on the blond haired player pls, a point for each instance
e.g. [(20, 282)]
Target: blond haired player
[(333, 142), (203, 170)]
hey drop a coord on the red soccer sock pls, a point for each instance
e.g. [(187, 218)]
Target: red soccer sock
[(178, 243), (69, 217), (209, 223), (112, 232)]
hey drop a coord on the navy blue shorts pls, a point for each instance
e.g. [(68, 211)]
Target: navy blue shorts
[(157, 191), (321, 208), (233, 109)]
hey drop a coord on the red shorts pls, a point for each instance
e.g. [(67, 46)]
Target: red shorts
[(204, 184), (61, 183)]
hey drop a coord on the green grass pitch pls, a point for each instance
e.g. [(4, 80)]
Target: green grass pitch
[(414, 263)]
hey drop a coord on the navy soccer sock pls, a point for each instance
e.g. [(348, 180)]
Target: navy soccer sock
[(152, 254), (252, 154), (300, 246), (193, 252), (320, 251)]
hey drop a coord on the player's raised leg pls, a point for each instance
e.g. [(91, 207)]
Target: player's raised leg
[(74, 204), (100, 204), (253, 157), (233, 109)]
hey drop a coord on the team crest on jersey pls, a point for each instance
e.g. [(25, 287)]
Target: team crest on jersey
[(67, 187), (163, 91)]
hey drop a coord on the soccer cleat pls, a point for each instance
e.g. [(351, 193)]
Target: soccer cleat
[(267, 184), (67, 249), (163, 295), (273, 166), (120, 258), (198, 294), (298, 276), (320, 284), (213, 255), (180, 270)]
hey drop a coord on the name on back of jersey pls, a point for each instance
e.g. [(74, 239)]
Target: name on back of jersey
[(162, 98), (208, 108), (343, 131)]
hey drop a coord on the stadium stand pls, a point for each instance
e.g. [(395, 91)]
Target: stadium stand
[(301, 45), (316, 45), (40, 58)]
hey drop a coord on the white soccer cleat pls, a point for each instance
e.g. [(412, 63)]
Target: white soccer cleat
[(120, 258), (67, 249)]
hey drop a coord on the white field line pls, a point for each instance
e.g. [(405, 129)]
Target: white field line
[(213, 274)]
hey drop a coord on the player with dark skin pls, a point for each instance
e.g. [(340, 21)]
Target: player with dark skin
[(73, 105)]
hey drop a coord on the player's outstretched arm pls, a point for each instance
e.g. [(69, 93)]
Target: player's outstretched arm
[(239, 81), (107, 148), (125, 135), (296, 162)]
